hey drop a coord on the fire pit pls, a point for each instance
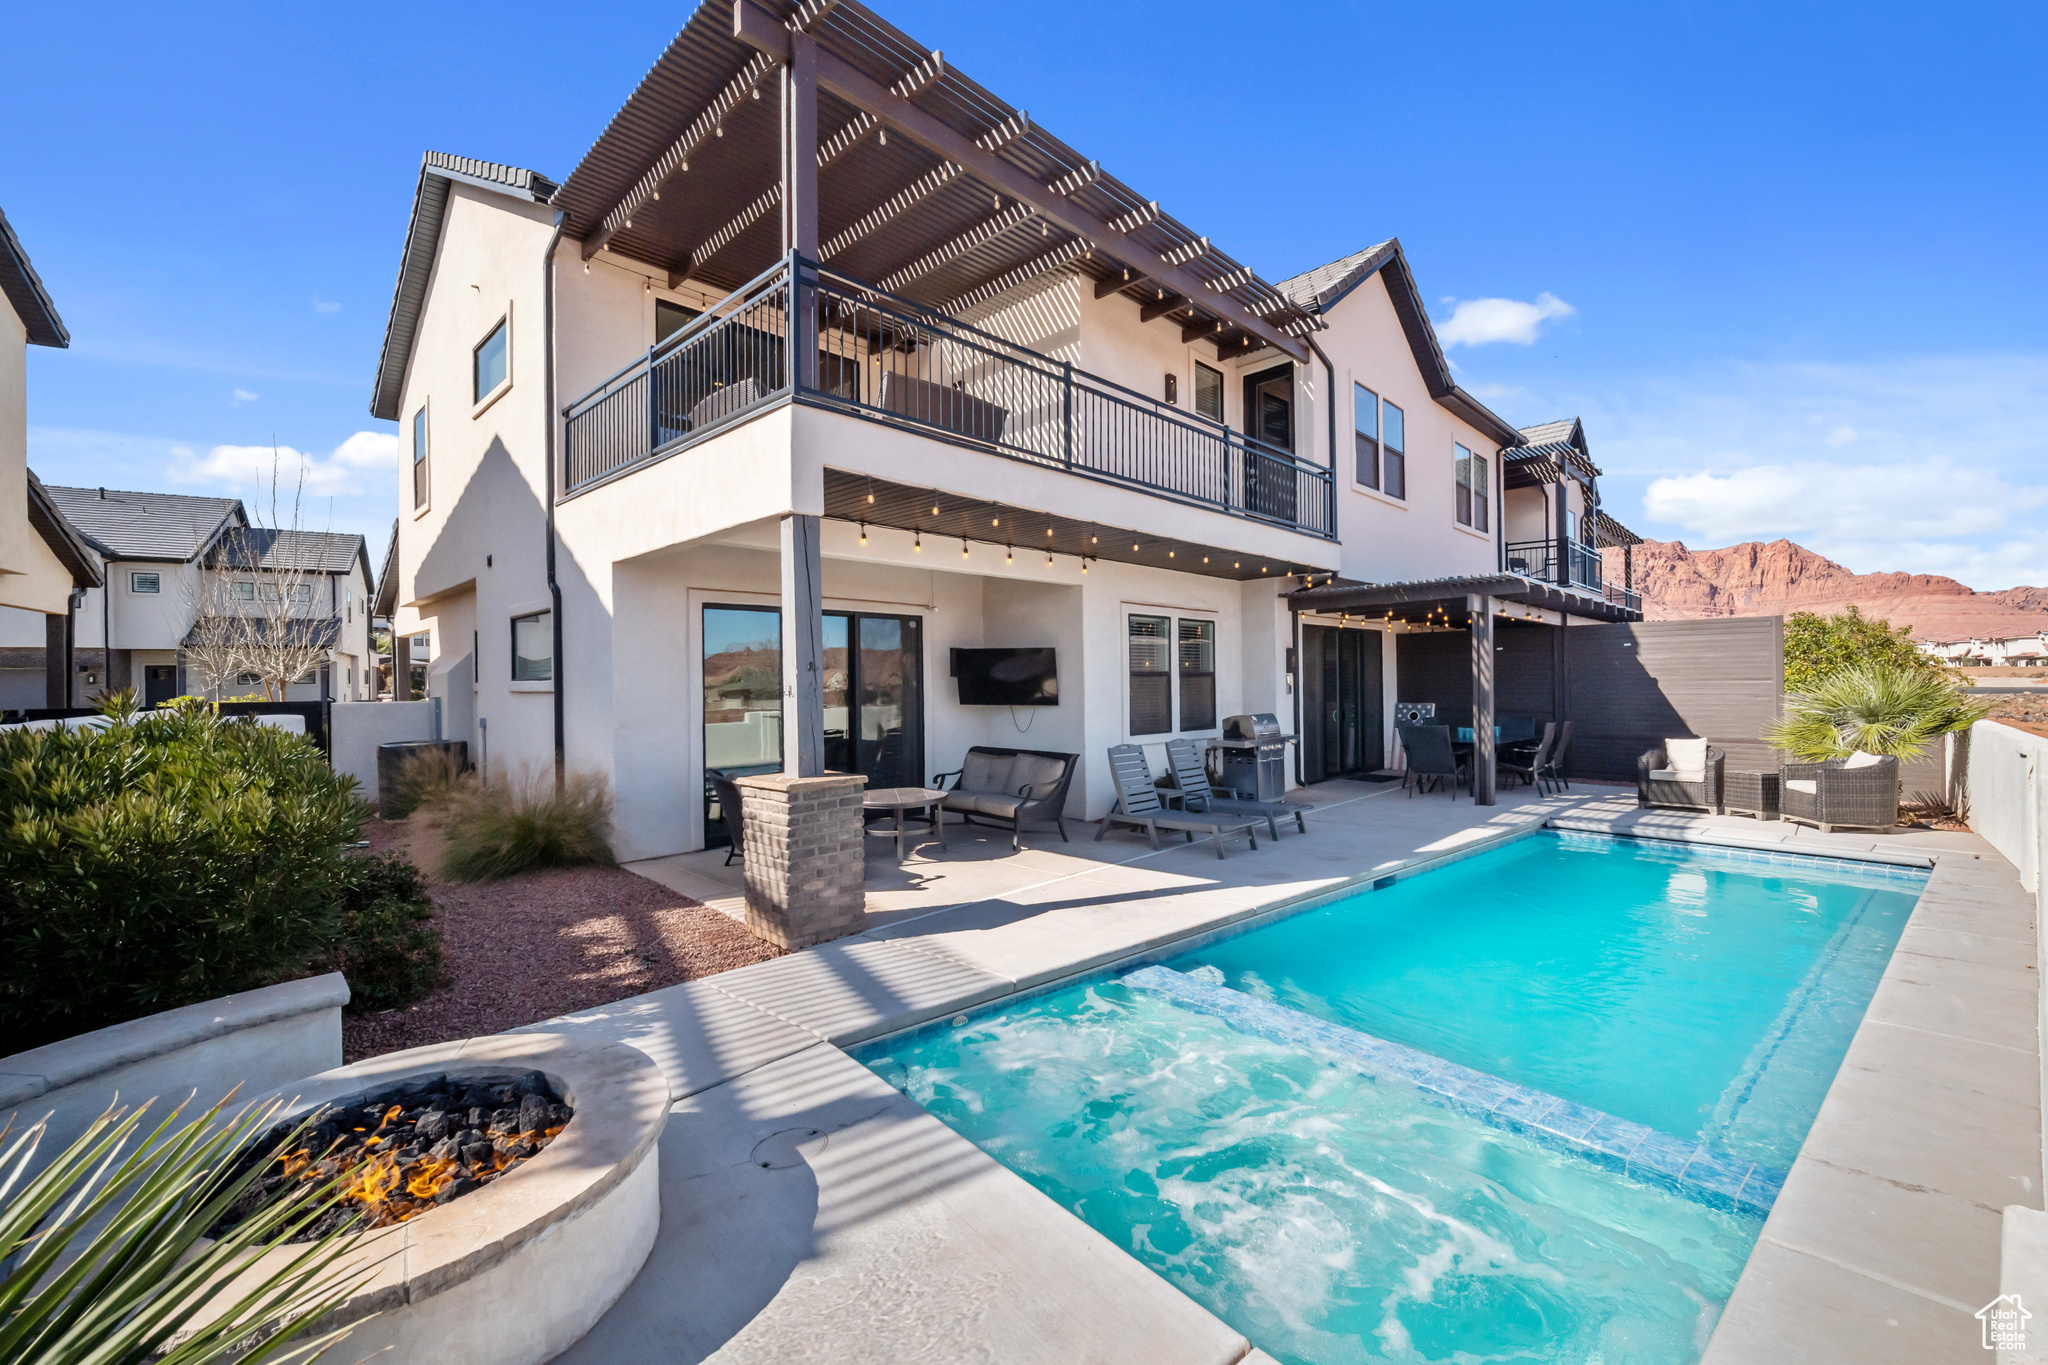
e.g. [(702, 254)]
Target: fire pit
[(411, 1147), (560, 1208)]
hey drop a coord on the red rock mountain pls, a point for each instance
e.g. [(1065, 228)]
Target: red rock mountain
[(1755, 579)]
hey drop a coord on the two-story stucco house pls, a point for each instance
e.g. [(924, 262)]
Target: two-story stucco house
[(826, 368), (135, 629), (44, 566)]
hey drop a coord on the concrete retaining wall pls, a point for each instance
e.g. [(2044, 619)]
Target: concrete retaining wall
[(258, 1040), (360, 726)]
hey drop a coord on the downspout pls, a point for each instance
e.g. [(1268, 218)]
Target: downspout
[(548, 447)]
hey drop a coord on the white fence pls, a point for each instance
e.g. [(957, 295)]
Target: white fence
[(2002, 773), (360, 726)]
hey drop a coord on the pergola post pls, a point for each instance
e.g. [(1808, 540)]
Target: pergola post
[(1560, 563), (800, 200), (803, 649), (1480, 608)]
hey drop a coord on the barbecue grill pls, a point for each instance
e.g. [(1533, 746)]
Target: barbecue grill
[(1252, 756)]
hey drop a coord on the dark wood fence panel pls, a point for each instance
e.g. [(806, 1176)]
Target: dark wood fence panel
[(1630, 685)]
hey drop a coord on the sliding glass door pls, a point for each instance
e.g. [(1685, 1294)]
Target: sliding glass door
[(874, 699)]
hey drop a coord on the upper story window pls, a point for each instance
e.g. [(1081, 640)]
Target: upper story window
[(492, 367), (301, 592), (145, 583), (1365, 418), (419, 457), (1473, 484), (1269, 406), (1208, 392), (670, 318), (533, 647), (245, 592), (1393, 451)]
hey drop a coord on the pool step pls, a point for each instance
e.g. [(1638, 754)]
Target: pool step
[(1689, 1168)]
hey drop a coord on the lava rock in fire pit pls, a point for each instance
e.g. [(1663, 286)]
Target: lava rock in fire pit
[(404, 1150)]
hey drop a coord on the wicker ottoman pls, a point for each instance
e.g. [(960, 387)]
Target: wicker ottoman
[(1750, 793)]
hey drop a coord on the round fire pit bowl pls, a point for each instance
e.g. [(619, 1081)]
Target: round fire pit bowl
[(516, 1271)]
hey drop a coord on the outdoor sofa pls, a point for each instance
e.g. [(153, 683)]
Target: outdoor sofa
[(1010, 788)]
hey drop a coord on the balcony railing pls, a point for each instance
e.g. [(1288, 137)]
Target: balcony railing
[(1578, 566), (887, 360)]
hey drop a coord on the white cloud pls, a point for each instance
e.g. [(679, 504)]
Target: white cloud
[(1477, 322), (322, 306), (241, 396), (1929, 464), (246, 469)]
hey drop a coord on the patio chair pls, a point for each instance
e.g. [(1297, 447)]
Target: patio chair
[(1526, 763), (1138, 805), (1681, 774), (1553, 767), (1010, 788), (1191, 779), (1861, 791), (1431, 758), (730, 811), (1515, 731)]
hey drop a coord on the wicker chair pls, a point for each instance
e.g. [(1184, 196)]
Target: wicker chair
[(1832, 793), (1656, 787)]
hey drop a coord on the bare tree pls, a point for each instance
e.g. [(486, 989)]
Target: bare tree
[(261, 610), (213, 647)]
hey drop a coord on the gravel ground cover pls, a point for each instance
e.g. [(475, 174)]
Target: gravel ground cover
[(545, 943)]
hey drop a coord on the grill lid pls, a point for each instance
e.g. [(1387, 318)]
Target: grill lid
[(1260, 726)]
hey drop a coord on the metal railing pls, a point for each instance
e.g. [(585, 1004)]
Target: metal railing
[(884, 359), (1624, 597), (1578, 566)]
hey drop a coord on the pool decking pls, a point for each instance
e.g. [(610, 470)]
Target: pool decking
[(812, 1213)]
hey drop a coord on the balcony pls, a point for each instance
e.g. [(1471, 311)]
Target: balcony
[(881, 358), (1572, 565)]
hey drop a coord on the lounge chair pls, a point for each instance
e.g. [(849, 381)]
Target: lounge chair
[(1861, 791), (1681, 774), (1191, 778), (1431, 759), (1010, 788), (1138, 805)]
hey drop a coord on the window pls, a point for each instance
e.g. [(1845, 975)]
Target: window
[(248, 679), (1393, 447), (1197, 674), (1464, 463), (1365, 417), (533, 647), (670, 318), (145, 583), (1208, 392), (419, 457), (245, 592), (302, 592), (493, 361), (1482, 484), (1151, 678), (266, 592)]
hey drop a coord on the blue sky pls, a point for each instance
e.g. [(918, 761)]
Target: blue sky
[(1785, 260)]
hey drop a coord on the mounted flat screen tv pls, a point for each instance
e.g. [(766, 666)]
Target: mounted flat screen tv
[(1006, 677)]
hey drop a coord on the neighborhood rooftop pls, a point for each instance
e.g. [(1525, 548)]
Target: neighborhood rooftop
[(127, 525)]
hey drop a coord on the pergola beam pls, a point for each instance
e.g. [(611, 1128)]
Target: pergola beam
[(1014, 216), (1202, 329), (761, 31), (1159, 308), (1116, 284), (890, 209)]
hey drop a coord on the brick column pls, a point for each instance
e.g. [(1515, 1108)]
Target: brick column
[(804, 857)]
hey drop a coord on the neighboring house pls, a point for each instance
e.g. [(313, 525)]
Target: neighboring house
[(44, 565), (2016, 651), (1553, 520), (678, 497), (157, 550)]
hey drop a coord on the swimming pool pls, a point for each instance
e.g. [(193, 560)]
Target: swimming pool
[(1287, 1161)]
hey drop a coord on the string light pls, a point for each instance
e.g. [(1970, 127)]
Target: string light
[(1048, 559), (917, 543), (1009, 554), (963, 547), (884, 137), (863, 533)]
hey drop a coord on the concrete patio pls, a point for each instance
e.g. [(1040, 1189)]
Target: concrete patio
[(812, 1213)]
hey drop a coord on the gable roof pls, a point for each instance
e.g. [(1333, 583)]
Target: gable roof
[(384, 602), (438, 170), (1556, 451), (1323, 288), (261, 547), (24, 290), (171, 527), (62, 537)]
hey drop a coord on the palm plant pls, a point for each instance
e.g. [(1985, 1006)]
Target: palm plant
[(104, 1257), (1878, 708)]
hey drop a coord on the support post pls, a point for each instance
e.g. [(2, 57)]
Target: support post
[(401, 666), (800, 204), (803, 649), (57, 660), (1480, 608), (1560, 568), (1628, 567)]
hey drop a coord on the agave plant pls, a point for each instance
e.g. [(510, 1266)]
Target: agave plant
[(105, 1257), (1875, 707)]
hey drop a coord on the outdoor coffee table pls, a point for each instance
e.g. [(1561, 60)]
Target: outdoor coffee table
[(1750, 793), (900, 801)]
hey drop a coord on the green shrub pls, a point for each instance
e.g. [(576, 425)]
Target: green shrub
[(428, 780), (170, 858), (498, 828), (389, 950), (1879, 708), (1818, 647)]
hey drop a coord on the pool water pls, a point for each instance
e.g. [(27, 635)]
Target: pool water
[(1335, 1216)]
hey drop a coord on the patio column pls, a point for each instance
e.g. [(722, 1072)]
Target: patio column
[(803, 649), (800, 147), (1560, 567), (1480, 606)]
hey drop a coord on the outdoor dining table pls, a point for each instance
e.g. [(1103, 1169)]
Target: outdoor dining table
[(901, 801)]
